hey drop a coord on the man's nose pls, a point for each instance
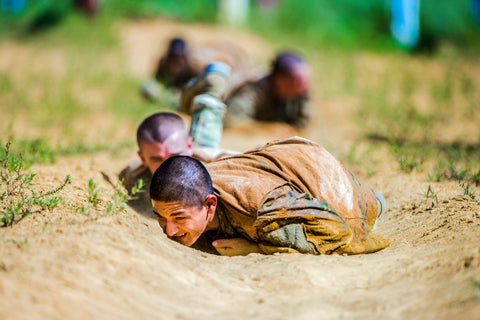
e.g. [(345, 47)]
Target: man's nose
[(171, 228)]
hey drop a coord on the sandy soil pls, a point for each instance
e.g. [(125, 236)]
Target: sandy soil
[(67, 265)]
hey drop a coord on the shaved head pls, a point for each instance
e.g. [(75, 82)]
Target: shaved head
[(286, 62), (161, 127), (291, 76), (161, 136), (181, 179), (177, 46)]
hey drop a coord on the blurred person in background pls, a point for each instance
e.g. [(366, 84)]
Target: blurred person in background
[(88, 7), (175, 67), (281, 95), (182, 63)]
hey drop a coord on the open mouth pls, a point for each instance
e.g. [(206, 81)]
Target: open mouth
[(179, 237)]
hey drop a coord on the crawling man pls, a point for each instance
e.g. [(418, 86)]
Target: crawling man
[(288, 196)]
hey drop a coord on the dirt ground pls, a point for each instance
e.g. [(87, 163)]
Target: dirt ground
[(67, 265)]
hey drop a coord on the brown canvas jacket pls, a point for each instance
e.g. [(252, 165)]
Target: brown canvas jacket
[(294, 196)]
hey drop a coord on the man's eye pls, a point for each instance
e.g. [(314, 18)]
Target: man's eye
[(180, 218)]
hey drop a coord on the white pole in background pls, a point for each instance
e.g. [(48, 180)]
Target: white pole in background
[(233, 12)]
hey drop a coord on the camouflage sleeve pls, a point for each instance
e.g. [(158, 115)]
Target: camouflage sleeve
[(211, 83), (298, 112), (160, 70), (289, 221), (242, 104)]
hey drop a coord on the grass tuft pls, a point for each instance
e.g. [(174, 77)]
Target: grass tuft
[(117, 201), (18, 199)]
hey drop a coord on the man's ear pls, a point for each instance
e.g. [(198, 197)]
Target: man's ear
[(211, 203), (139, 153)]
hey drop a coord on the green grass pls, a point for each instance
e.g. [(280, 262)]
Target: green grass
[(346, 24), (115, 202), (189, 11), (18, 243), (326, 24), (82, 75), (35, 151), (426, 111), (18, 198), (352, 25), (476, 288), (41, 16)]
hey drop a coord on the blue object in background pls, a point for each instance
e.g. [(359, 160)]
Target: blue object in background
[(13, 6), (476, 10), (405, 23)]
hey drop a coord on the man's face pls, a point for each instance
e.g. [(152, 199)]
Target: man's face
[(295, 84), (177, 65), (154, 153), (184, 224)]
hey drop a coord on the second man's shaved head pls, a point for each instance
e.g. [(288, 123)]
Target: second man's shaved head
[(159, 127), (160, 136)]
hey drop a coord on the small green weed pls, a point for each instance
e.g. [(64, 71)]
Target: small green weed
[(467, 190), (476, 288), (118, 201), (17, 197), (435, 177), (93, 193), (461, 174), (136, 189), (120, 197), (371, 172), (475, 177), (20, 243), (430, 193), (408, 158), (93, 197), (457, 174), (407, 164)]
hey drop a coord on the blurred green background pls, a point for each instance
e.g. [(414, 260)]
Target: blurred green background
[(322, 23)]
